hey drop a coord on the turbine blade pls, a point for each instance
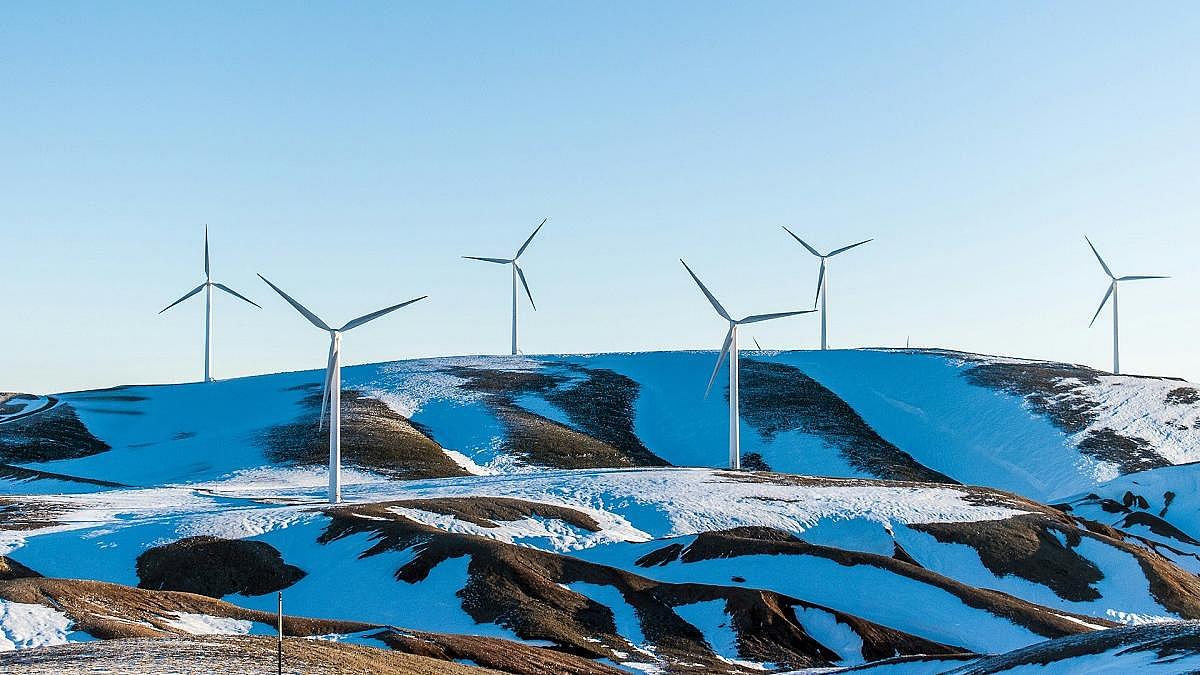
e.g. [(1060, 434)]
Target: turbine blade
[(206, 272), (526, 244), (756, 345), (237, 295), (803, 243), (716, 305), (820, 280), (325, 387), (375, 315), (1102, 303), (502, 261), (1135, 278), (313, 318), (847, 248), (778, 315), (720, 360), (1102, 263), (521, 273), (185, 297)]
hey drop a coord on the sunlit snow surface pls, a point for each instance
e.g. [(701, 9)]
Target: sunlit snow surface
[(195, 460)]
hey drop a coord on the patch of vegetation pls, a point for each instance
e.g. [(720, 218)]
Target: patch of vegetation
[(216, 567), (776, 398), (50, 435), (373, 437)]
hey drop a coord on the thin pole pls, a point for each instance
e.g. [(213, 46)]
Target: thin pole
[(279, 627), (207, 330), (514, 308), (335, 421), (824, 313), (734, 426), (1116, 335)]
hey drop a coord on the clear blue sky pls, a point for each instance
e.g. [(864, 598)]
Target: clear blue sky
[(352, 151)]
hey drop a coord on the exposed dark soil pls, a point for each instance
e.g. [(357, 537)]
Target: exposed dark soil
[(53, 434), (1025, 546), (11, 569), (228, 655), (1130, 453), (485, 511), (501, 655), (24, 513), (1053, 391), (373, 437), (745, 541), (216, 567), (1183, 396), (599, 407), (117, 613), (602, 406), (776, 398), (112, 611), (522, 588), (544, 442), (1166, 641)]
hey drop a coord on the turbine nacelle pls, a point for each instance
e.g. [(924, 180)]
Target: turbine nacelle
[(822, 291), (1112, 286), (733, 323)]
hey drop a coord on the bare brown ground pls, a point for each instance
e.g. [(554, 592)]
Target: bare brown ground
[(600, 409), (229, 655), (523, 589), (485, 511), (112, 611), (373, 437), (56, 433), (502, 655), (23, 513), (216, 567), (777, 398), (1025, 546), (115, 612), (767, 541)]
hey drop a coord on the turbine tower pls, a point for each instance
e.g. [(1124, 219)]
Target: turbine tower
[(1112, 291), (822, 279), (207, 287), (331, 394), (731, 348), (516, 273)]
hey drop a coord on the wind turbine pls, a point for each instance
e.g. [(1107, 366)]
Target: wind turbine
[(731, 348), (1112, 291), (822, 280), (516, 273), (207, 287), (331, 394)]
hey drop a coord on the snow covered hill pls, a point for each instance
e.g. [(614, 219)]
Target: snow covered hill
[(909, 512), (1043, 430)]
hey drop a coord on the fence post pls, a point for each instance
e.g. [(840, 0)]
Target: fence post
[(279, 628)]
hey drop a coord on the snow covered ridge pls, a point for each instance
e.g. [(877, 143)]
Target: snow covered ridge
[(547, 501), (672, 546), (1042, 430)]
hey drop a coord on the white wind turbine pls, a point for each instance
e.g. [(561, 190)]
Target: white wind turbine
[(1112, 291), (516, 273), (731, 348), (207, 287), (331, 394), (822, 280)]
